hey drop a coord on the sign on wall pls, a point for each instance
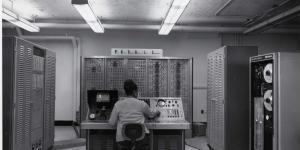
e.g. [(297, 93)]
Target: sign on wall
[(136, 52)]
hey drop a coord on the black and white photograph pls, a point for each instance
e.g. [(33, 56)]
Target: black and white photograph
[(150, 75)]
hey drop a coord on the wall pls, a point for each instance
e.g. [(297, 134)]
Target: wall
[(196, 45)]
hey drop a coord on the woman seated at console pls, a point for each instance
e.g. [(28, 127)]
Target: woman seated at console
[(131, 110)]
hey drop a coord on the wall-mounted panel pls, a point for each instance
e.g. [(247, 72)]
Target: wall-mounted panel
[(94, 74), (137, 71), (94, 79), (180, 85), (115, 74), (158, 77)]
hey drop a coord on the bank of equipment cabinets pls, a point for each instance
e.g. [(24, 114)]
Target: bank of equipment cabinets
[(28, 95), (154, 76)]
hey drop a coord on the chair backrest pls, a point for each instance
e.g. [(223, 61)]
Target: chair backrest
[(133, 131)]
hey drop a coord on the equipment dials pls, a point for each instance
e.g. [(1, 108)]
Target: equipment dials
[(92, 116), (161, 103)]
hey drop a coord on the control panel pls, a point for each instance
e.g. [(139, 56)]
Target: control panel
[(171, 108)]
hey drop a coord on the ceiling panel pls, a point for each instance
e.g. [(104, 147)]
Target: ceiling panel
[(292, 23), (42, 9), (144, 11), (202, 10), (136, 10), (131, 10), (249, 8), (199, 8)]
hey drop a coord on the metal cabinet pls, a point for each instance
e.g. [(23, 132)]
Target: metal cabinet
[(25, 76), (227, 97), (49, 102), (274, 101)]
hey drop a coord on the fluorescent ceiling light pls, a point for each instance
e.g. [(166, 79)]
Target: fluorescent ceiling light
[(180, 3), (88, 15), (175, 11), (18, 21), (165, 29)]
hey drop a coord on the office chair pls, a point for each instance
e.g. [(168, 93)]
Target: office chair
[(133, 132)]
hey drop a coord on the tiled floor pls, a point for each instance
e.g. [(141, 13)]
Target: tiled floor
[(67, 133), (64, 133), (198, 142)]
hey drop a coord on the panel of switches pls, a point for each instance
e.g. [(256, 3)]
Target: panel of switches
[(170, 108)]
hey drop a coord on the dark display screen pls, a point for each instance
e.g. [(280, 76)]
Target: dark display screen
[(103, 97)]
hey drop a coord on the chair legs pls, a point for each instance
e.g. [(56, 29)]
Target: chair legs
[(132, 146)]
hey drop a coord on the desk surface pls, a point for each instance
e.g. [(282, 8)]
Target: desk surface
[(178, 125)]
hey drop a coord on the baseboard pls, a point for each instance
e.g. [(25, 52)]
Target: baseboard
[(64, 123), (200, 123)]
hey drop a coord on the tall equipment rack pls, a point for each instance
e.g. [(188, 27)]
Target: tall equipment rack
[(227, 97), (28, 95), (274, 101)]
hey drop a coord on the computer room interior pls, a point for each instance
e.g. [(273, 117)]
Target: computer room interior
[(222, 73)]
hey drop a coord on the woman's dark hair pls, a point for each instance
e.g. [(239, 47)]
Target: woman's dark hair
[(130, 87)]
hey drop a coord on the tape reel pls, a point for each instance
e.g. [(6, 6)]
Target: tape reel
[(268, 100), (268, 73)]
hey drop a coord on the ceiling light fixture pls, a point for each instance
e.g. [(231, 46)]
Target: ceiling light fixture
[(18, 21), (175, 11), (88, 15)]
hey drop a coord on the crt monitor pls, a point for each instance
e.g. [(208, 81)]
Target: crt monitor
[(100, 103)]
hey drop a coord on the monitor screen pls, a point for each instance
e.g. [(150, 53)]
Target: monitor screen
[(102, 97)]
